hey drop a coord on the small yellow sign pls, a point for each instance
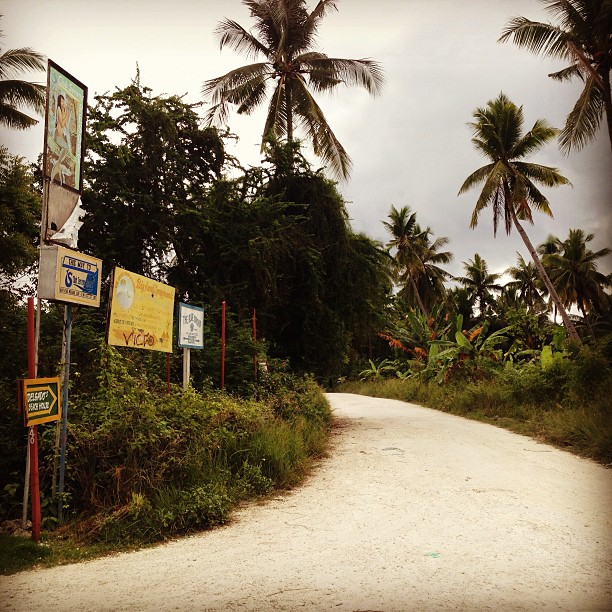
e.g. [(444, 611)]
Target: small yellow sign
[(41, 400), (141, 313)]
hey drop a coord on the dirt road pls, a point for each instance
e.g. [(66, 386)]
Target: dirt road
[(413, 510)]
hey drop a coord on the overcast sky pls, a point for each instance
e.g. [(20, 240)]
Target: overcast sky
[(409, 146)]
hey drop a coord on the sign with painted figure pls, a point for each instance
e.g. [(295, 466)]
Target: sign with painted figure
[(41, 400), (69, 276), (190, 326), (65, 128), (141, 313), (64, 146)]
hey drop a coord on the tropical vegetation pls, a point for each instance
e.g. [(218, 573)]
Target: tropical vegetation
[(291, 74), (311, 304)]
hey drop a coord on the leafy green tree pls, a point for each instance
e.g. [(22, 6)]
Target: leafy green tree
[(148, 159), (278, 240), (573, 271), (15, 92), (580, 36), (285, 34), (509, 184), (20, 208), (479, 282)]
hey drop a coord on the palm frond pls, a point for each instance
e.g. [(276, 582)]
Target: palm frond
[(14, 119), (566, 74), (14, 61), (17, 93), (584, 119), (537, 37), (312, 121), (364, 73), (541, 133)]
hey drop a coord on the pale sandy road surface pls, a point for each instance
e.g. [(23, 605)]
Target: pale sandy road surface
[(413, 510)]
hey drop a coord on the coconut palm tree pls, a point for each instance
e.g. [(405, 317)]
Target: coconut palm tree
[(526, 282), (430, 282), (407, 240), (509, 183), (573, 271), (290, 73), (15, 92), (581, 36), (479, 282)]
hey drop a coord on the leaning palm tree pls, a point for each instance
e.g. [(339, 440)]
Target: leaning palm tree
[(290, 73), (573, 271), (509, 183), (582, 36), (479, 282), (15, 92)]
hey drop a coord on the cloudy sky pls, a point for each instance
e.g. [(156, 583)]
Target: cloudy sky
[(409, 146)]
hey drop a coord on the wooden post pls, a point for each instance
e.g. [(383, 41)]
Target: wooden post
[(33, 431)]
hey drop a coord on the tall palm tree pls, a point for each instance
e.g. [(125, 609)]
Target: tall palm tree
[(573, 271), (431, 282), (509, 183), (417, 259), (15, 92), (582, 36), (407, 240), (526, 282), (291, 71), (479, 282)]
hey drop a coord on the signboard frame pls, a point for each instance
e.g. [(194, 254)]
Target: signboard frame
[(183, 336), (47, 415), (140, 313)]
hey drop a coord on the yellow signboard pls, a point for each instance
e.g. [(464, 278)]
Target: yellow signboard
[(41, 400), (141, 313)]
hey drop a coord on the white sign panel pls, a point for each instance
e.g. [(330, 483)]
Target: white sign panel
[(190, 326)]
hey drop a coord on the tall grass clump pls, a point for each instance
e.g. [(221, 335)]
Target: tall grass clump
[(144, 465)]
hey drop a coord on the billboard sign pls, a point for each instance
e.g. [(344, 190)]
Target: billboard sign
[(41, 400), (190, 326), (141, 313), (64, 146), (68, 276)]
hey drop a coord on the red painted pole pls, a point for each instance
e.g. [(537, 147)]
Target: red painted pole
[(223, 345), (255, 341), (168, 372), (33, 431)]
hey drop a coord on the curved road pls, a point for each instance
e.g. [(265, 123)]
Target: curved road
[(413, 510)]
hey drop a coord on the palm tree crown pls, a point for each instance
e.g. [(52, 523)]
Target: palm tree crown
[(284, 36), (573, 271), (479, 282), (509, 183), (582, 36), (15, 92)]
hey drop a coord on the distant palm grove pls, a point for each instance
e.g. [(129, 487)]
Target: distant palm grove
[(163, 198)]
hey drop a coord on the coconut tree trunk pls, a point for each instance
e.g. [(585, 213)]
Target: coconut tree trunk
[(607, 95), (569, 326), (418, 296), (587, 321)]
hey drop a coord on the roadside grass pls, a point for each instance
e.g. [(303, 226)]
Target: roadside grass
[(146, 467), (556, 406)]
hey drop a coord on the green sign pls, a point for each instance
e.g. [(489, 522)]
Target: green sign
[(41, 400)]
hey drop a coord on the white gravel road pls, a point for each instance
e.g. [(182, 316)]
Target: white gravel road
[(413, 510)]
